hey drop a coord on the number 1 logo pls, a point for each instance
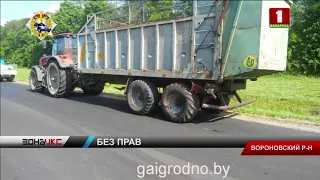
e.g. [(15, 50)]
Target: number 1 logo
[(279, 17)]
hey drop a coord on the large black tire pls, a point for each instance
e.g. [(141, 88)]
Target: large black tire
[(95, 89), (143, 97), (11, 78), (59, 81), (178, 104), (34, 84)]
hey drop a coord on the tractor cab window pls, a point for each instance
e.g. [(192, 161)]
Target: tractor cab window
[(58, 46), (74, 46)]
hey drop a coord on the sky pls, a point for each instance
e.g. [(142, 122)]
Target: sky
[(11, 9)]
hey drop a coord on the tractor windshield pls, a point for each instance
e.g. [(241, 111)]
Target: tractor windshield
[(58, 47), (64, 45), (74, 46)]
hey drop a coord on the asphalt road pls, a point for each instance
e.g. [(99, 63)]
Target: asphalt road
[(27, 113)]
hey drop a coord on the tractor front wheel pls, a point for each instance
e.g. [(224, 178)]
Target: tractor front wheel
[(35, 85)]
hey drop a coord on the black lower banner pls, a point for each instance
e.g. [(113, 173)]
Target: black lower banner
[(133, 142)]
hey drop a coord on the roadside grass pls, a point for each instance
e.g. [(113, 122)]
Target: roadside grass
[(283, 96), (279, 96), (22, 75)]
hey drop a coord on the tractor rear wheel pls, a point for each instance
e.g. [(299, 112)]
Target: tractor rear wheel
[(59, 81), (178, 104), (35, 85)]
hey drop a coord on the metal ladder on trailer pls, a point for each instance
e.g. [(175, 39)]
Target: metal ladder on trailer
[(90, 53)]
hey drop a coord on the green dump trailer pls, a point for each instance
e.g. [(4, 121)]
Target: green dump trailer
[(184, 57)]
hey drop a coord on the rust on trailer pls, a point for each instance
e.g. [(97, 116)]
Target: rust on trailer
[(83, 52), (208, 74), (101, 56)]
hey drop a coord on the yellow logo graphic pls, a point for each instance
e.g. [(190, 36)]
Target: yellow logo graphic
[(250, 62), (41, 25)]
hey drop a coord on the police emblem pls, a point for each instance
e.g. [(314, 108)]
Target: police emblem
[(41, 25)]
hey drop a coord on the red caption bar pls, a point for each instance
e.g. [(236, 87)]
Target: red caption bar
[(263, 148)]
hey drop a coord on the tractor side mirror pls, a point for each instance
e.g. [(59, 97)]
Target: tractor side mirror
[(44, 44)]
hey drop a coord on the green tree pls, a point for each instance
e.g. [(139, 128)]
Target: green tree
[(69, 18), (16, 42), (91, 7), (304, 42), (156, 10)]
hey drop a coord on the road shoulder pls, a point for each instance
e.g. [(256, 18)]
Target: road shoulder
[(286, 123)]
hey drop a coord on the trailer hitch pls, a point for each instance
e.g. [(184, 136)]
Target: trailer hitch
[(225, 108)]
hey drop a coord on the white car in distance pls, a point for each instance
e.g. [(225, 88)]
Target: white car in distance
[(8, 71)]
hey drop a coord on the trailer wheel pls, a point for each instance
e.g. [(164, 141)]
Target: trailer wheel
[(95, 89), (35, 85), (10, 79), (179, 104), (59, 81), (143, 97)]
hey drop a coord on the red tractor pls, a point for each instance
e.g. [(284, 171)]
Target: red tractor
[(58, 72)]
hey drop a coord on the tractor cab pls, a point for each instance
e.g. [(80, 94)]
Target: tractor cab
[(62, 45)]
